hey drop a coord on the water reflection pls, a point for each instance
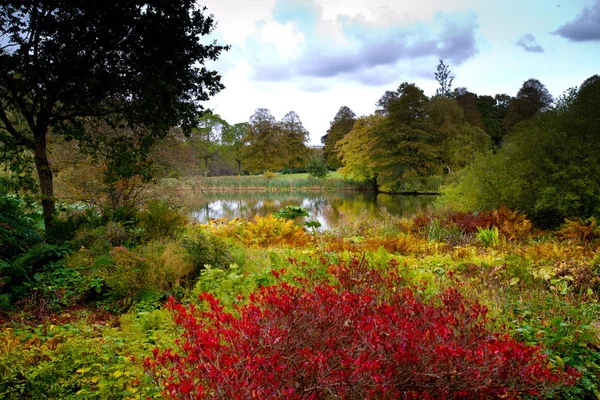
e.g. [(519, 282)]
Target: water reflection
[(325, 207)]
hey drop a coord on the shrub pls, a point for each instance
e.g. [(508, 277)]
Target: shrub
[(17, 227), (354, 341), (204, 249), (317, 168), (160, 221), (262, 231), (580, 231), (489, 237)]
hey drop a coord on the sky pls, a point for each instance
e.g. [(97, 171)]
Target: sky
[(314, 56)]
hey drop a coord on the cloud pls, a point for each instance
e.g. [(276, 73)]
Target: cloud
[(586, 27), (529, 44), (354, 47)]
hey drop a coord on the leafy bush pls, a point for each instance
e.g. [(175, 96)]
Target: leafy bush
[(354, 341), (489, 237), (17, 276), (159, 220), (17, 227), (579, 230), (204, 249), (262, 231), (291, 213), (317, 168), (72, 220)]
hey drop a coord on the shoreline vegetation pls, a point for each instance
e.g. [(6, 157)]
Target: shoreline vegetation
[(292, 182)]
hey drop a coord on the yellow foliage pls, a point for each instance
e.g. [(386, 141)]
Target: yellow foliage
[(262, 231)]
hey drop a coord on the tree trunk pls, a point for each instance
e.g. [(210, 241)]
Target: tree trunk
[(45, 177), (375, 185), (239, 162)]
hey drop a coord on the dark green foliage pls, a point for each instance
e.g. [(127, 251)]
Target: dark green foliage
[(340, 126), (291, 213), (67, 223), (18, 230), (317, 168), (21, 275), (548, 167), (134, 69), (533, 98), (205, 250)]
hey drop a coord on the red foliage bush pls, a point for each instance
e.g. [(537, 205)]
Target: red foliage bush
[(358, 339)]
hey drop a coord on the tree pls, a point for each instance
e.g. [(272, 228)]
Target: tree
[(130, 63), (206, 138), (533, 98), (317, 168), (340, 126), (493, 110), (468, 102), (295, 137), (459, 140), (548, 166), (264, 148), (444, 79), (402, 146), (409, 107), (355, 149), (233, 136)]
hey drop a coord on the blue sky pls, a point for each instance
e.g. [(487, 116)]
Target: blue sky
[(314, 56)]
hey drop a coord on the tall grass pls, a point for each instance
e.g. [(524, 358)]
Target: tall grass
[(302, 182), (260, 182)]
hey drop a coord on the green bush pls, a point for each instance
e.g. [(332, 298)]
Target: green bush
[(159, 220), (71, 220), (18, 230), (19, 276), (204, 249)]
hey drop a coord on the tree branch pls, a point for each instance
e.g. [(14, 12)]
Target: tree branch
[(22, 140)]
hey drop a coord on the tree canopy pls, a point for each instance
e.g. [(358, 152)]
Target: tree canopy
[(130, 63)]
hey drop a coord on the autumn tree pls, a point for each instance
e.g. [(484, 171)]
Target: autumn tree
[(133, 64), (398, 145), (340, 126), (355, 150), (264, 148)]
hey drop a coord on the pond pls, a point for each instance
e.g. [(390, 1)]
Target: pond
[(326, 207)]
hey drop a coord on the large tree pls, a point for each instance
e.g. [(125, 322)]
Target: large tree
[(134, 63), (548, 166), (295, 137), (340, 126), (206, 139), (233, 139), (532, 99), (264, 147)]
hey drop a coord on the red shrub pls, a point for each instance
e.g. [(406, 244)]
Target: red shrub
[(351, 341)]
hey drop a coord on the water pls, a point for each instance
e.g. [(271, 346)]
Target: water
[(326, 207)]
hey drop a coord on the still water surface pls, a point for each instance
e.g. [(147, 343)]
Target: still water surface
[(326, 207)]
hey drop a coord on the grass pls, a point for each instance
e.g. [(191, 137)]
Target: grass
[(301, 181)]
